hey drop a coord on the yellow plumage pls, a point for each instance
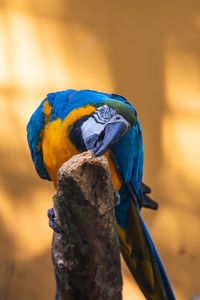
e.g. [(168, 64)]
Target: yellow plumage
[(57, 147)]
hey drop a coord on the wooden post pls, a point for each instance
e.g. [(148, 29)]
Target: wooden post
[(86, 257)]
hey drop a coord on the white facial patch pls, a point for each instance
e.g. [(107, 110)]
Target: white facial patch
[(103, 116), (104, 113), (90, 127)]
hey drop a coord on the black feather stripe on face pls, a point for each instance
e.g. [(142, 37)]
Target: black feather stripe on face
[(123, 109), (75, 135)]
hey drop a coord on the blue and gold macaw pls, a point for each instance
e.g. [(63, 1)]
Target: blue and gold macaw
[(69, 122)]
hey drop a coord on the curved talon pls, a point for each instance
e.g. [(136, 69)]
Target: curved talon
[(145, 188), (117, 198), (51, 214), (148, 202), (52, 222)]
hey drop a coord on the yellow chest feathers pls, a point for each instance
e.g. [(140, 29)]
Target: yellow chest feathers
[(57, 147)]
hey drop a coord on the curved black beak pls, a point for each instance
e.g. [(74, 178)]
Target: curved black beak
[(109, 136)]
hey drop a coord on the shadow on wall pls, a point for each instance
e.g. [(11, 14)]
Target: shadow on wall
[(146, 51)]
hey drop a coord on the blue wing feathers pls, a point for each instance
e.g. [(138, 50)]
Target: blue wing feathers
[(34, 129), (163, 275), (129, 155)]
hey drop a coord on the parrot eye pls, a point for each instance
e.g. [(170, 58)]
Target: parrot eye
[(101, 112), (104, 113)]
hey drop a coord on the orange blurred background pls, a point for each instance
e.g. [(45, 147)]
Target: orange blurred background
[(147, 51)]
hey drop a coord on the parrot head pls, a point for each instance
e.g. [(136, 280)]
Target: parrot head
[(102, 128)]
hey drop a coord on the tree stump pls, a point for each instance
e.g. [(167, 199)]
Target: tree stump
[(86, 256)]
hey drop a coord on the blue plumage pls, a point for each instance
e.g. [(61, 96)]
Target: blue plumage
[(127, 155), (66, 101), (34, 130)]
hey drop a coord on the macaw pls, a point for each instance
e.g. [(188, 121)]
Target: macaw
[(69, 122)]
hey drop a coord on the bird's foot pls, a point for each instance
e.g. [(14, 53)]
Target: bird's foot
[(117, 198), (148, 202), (52, 221)]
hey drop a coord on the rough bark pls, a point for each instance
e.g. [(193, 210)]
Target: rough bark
[(86, 257)]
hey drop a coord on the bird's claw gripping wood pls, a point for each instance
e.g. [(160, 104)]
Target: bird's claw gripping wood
[(86, 256), (53, 224)]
